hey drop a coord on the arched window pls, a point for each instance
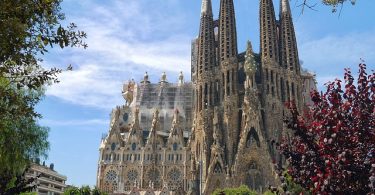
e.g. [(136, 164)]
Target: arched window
[(252, 137), (217, 168), (175, 146)]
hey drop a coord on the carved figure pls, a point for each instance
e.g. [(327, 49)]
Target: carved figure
[(127, 92)]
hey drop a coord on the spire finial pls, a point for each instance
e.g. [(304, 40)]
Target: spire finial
[(163, 77), (250, 63), (206, 7), (136, 125), (285, 8), (176, 122)]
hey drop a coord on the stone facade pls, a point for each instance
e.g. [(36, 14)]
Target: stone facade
[(216, 131), (146, 147)]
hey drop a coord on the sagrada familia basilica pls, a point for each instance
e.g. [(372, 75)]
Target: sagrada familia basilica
[(215, 131)]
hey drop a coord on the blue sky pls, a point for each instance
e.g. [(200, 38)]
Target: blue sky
[(128, 37)]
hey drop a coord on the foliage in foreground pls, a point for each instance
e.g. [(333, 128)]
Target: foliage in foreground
[(21, 138), (333, 3), (242, 190), (28, 28), (18, 184), (290, 187), (332, 151), (84, 190)]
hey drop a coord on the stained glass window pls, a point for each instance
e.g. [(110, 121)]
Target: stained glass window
[(175, 146), (132, 175), (111, 175), (125, 117)]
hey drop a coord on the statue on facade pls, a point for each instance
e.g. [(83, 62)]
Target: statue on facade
[(163, 78), (127, 92), (181, 79), (145, 78), (250, 65), (216, 133)]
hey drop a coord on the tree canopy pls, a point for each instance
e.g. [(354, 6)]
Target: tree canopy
[(28, 29), (84, 190), (242, 190), (333, 147)]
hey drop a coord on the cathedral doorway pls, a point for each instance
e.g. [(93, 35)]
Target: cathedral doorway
[(253, 176)]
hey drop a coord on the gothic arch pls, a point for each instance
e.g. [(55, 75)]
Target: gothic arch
[(134, 192), (251, 137), (164, 191), (217, 168), (150, 192)]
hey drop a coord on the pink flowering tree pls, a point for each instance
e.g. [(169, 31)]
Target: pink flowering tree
[(333, 147)]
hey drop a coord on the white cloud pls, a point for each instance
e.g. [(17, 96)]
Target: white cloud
[(87, 122), (330, 55), (124, 41), (89, 86), (332, 52)]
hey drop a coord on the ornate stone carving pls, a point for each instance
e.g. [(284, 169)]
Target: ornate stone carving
[(127, 92)]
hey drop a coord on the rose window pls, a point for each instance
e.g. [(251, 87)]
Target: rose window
[(111, 175), (154, 175), (132, 175), (174, 175)]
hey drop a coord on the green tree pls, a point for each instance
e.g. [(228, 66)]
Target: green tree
[(28, 28), (84, 190), (21, 138), (72, 191), (242, 190), (17, 185), (29, 193), (96, 191)]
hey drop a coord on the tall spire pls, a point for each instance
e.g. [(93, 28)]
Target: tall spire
[(229, 76), (151, 140), (136, 128), (206, 48), (176, 134), (268, 32), (289, 52), (206, 7), (204, 88), (284, 6), (227, 30), (206, 57)]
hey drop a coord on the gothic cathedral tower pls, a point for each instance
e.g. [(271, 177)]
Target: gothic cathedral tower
[(270, 72), (289, 59), (229, 76), (204, 95)]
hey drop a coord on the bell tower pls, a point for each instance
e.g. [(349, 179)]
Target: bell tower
[(229, 77), (289, 54), (204, 93)]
